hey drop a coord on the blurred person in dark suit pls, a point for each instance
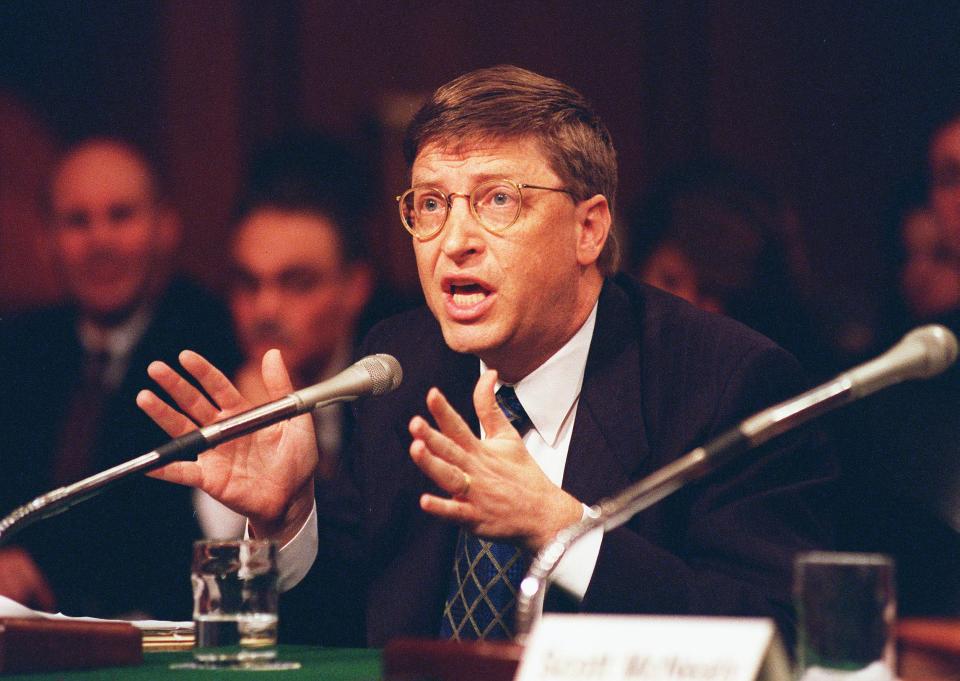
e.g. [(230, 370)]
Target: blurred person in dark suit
[(301, 277), (714, 235), (921, 244), (930, 273), (944, 169), (70, 374), (901, 448), (301, 280), (930, 236)]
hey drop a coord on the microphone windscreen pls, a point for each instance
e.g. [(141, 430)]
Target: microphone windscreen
[(940, 348), (385, 372)]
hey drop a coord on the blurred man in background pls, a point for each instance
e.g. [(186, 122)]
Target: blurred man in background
[(930, 273), (300, 276), (902, 446), (70, 375), (925, 254), (300, 282), (717, 236), (944, 167)]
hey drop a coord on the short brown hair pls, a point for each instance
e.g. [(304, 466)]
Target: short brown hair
[(507, 102)]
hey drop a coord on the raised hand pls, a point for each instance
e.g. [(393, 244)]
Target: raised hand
[(498, 490), (266, 476)]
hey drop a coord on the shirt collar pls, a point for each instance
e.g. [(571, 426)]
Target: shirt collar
[(116, 341), (549, 392)]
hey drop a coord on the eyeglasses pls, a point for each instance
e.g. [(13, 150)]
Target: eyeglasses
[(496, 205)]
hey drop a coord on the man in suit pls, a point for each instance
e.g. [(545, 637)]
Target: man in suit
[(510, 211), (300, 273), (70, 375)]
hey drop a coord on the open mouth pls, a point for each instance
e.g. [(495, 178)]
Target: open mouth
[(467, 300), (467, 295)]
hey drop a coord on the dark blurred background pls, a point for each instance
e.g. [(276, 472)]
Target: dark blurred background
[(828, 103)]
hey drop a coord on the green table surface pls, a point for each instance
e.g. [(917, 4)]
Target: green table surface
[(320, 664)]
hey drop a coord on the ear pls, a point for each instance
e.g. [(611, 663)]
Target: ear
[(359, 287), (593, 227)]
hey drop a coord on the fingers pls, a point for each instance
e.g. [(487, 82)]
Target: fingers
[(213, 381), (449, 509), (187, 397), (187, 473), (191, 400), (449, 477), (276, 378), (449, 421), (437, 443), (491, 417), (172, 421)]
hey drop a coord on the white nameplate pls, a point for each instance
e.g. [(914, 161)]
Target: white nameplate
[(653, 648)]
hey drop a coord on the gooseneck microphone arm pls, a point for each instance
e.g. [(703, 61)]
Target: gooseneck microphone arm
[(922, 353), (372, 375)]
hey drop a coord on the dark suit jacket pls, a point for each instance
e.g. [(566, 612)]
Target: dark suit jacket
[(129, 548), (661, 378)]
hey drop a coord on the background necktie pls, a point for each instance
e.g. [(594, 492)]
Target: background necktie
[(486, 574), (74, 458)]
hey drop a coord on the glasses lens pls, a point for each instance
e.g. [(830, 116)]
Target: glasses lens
[(424, 210), (497, 204)]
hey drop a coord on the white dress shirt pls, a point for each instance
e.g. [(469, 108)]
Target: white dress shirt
[(117, 341), (550, 395)]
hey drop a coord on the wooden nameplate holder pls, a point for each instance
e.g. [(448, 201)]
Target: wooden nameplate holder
[(41, 645), (406, 659), (928, 648)]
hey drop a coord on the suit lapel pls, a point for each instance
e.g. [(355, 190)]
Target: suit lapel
[(609, 439)]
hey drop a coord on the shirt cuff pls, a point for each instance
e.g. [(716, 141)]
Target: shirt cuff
[(296, 557), (575, 570)]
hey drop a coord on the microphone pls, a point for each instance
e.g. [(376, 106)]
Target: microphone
[(372, 375), (922, 353)]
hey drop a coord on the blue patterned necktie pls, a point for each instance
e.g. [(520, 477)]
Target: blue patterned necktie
[(486, 575)]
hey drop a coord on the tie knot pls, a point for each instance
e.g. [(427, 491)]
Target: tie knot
[(510, 405)]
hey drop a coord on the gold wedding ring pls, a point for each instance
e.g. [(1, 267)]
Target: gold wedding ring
[(466, 485)]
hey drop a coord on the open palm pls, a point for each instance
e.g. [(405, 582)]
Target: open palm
[(266, 476)]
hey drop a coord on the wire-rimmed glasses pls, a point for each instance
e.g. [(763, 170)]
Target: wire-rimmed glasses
[(496, 205)]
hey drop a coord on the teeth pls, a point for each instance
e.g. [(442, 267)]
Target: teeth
[(467, 299)]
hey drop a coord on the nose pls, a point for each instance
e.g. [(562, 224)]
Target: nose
[(102, 231), (267, 300), (462, 235)]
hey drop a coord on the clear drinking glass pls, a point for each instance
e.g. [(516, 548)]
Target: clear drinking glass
[(846, 608), (235, 601)]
